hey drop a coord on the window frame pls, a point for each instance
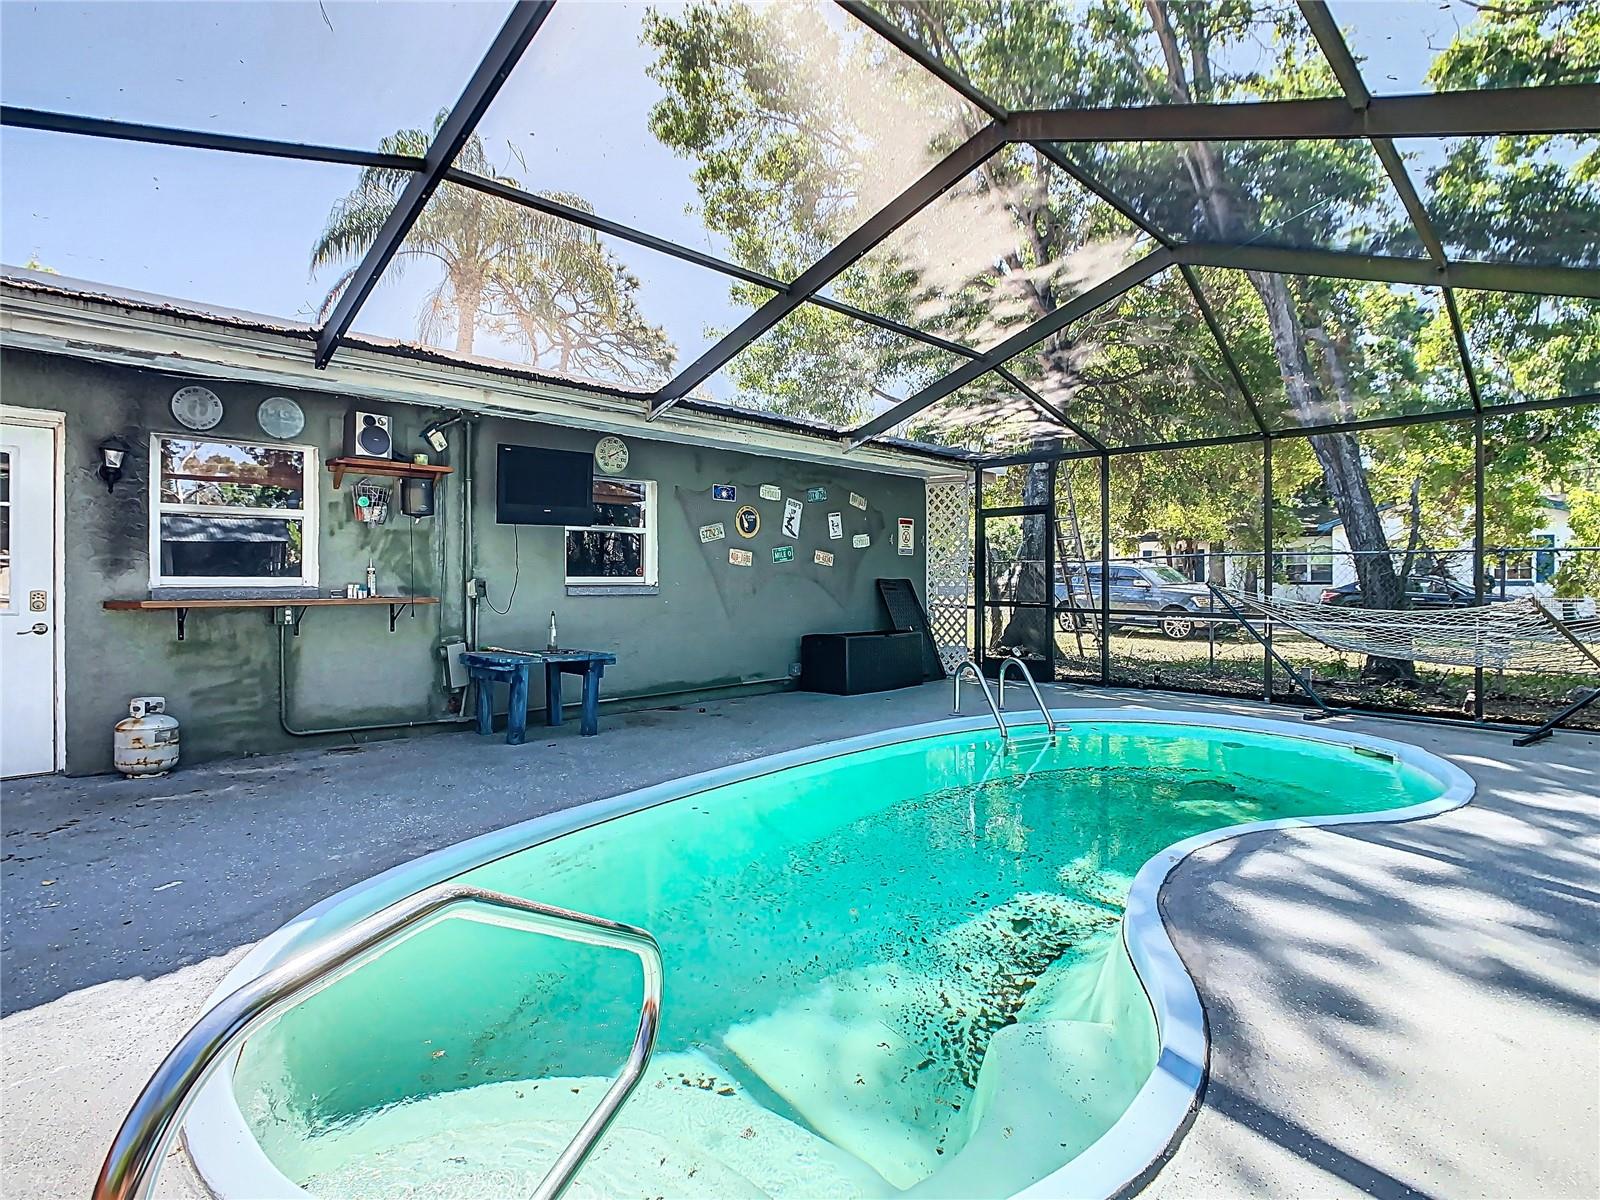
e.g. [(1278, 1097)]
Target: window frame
[(1514, 568), (1308, 564), (9, 454), (306, 514), (648, 531)]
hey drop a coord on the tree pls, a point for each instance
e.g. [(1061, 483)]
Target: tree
[(1018, 238), (575, 307), (540, 281)]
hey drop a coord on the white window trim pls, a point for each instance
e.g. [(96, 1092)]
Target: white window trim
[(1519, 568), (306, 515), (1309, 559), (651, 541)]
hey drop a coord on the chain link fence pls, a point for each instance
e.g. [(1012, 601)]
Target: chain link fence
[(1168, 630)]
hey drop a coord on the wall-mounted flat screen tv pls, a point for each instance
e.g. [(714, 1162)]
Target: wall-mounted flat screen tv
[(536, 486)]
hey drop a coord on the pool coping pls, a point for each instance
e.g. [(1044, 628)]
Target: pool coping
[(231, 1163)]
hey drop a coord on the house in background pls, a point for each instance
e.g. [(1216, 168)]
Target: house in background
[(1319, 559)]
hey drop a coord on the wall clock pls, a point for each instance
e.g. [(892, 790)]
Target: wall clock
[(196, 407), (611, 455), (280, 417)]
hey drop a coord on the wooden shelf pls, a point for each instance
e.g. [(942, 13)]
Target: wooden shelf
[(295, 604), (261, 602), (393, 468)]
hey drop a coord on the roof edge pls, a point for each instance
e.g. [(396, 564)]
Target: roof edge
[(45, 314)]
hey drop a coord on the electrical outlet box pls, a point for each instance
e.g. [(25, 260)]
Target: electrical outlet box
[(477, 588), (794, 670), (455, 671)]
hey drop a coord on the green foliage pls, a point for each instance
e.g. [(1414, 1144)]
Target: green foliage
[(787, 114), (1579, 574), (1523, 45), (1526, 347), (1490, 193)]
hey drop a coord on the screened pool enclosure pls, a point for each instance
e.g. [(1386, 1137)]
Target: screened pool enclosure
[(1293, 298)]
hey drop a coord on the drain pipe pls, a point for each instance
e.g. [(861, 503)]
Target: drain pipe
[(283, 706), (468, 630), (463, 718), (469, 604), (693, 691)]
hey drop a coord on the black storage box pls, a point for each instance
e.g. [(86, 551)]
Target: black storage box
[(848, 664)]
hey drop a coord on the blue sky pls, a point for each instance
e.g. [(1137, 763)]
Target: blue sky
[(236, 231)]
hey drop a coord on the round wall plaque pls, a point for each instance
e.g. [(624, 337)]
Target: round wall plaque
[(747, 521), (196, 407), (280, 417)]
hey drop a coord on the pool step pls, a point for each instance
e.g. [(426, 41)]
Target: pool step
[(1050, 1087), (1048, 1090), (686, 1132), (882, 1059)]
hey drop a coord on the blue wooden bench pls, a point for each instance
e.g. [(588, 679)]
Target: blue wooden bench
[(488, 667)]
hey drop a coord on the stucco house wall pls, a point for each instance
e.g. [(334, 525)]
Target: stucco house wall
[(708, 623)]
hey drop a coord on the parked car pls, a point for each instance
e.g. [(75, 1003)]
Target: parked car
[(1427, 591), (1158, 596)]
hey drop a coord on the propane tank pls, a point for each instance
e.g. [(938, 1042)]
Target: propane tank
[(146, 741)]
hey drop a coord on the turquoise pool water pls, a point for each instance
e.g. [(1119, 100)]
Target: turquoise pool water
[(894, 971)]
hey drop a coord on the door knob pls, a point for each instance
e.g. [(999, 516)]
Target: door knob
[(38, 627)]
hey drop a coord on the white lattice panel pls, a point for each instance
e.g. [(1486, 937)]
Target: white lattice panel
[(949, 585)]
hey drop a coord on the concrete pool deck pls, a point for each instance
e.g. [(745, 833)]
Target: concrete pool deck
[(1395, 1010)]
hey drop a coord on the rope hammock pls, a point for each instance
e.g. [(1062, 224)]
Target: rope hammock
[(1514, 635)]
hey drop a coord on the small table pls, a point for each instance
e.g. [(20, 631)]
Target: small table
[(487, 667)]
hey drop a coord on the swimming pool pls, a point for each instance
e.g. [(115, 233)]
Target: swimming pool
[(919, 963)]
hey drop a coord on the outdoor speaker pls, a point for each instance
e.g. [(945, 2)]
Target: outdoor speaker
[(416, 497), (368, 435)]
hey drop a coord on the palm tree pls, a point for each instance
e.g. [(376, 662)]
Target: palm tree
[(546, 283), (575, 307)]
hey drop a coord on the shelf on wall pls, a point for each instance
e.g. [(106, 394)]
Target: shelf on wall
[(295, 604), (394, 468)]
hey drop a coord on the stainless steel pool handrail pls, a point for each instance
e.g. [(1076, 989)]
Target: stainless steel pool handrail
[(152, 1124), (966, 664), (1011, 660)]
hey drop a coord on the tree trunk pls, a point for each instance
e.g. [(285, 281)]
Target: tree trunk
[(469, 300), (1339, 454)]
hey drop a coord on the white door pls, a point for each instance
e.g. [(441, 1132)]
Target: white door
[(28, 601)]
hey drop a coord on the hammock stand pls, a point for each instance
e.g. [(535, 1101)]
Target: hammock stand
[(1525, 623), (1323, 709)]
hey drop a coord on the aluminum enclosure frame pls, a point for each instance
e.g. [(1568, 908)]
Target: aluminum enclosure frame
[(1358, 115)]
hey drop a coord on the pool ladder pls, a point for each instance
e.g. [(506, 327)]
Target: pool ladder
[(152, 1124), (967, 664)]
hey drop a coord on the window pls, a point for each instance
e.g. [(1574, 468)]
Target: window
[(1306, 566), (231, 514), (618, 546), (1168, 574), (5, 528), (1514, 567)]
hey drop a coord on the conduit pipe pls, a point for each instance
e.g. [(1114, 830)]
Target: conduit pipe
[(468, 630)]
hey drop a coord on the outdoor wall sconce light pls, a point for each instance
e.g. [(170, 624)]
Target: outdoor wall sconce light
[(434, 435), (113, 452)]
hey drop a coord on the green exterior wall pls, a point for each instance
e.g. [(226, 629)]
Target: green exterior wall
[(709, 625)]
